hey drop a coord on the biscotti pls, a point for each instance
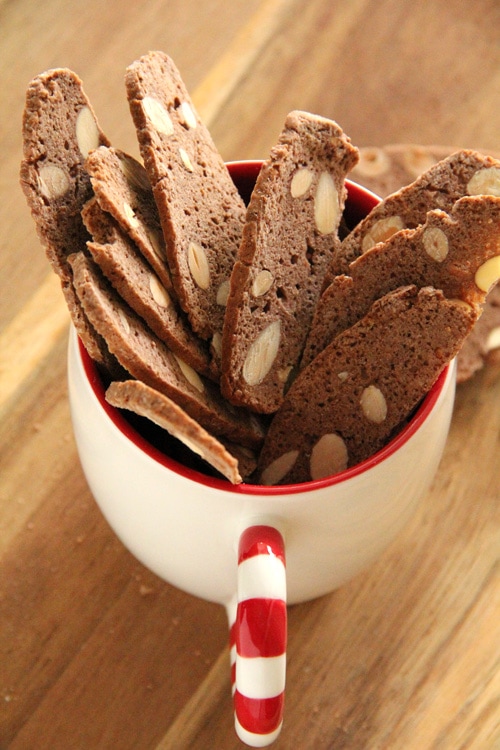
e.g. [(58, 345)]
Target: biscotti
[(465, 172), (359, 391), (147, 359), (122, 189), (137, 283), (232, 462), (173, 283), (456, 253), (201, 212), (59, 130), (290, 234), (387, 169)]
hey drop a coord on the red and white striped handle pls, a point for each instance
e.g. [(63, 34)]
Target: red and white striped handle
[(258, 636)]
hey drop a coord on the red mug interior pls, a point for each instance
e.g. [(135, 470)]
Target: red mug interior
[(169, 452)]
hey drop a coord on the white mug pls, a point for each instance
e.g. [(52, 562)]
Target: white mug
[(253, 548)]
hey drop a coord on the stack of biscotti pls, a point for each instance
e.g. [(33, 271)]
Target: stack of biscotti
[(385, 170), (265, 343), (403, 292), (100, 224)]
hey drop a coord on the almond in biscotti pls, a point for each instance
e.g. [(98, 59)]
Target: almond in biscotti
[(290, 234), (201, 211), (458, 253), (59, 129), (148, 359), (352, 398)]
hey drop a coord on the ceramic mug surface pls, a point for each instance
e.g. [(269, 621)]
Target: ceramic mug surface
[(228, 543)]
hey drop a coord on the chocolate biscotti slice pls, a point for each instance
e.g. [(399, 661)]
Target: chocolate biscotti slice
[(290, 233), (59, 129), (122, 189), (358, 392), (458, 253), (463, 173), (137, 283), (148, 359), (231, 462), (201, 212)]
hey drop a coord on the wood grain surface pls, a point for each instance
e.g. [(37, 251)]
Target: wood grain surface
[(96, 653)]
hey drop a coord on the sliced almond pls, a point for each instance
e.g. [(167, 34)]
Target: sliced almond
[(381, 231), (485, 182), (124, 322), (488, 273), (198, 265), (187, 116), (284, 373), (262, 283), (190, 374), (53, 181), (130, 215), (157, 115), (87, 132), (326, 205), (301, 182), (134, 172), (223, 293), (328, 456), (156, 240), (461, 303), (261, 354), (185, 158), (373, 404), (217, 343), (158, 292), (279, 468), (435, 243)]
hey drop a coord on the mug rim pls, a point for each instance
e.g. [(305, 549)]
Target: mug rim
[(132, 435), (118, 418)]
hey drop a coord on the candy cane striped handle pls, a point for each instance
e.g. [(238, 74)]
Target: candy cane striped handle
[(259, 636)]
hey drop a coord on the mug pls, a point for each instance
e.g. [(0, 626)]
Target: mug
[(253, 549)]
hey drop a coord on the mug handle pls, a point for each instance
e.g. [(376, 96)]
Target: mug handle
[(258, 636)]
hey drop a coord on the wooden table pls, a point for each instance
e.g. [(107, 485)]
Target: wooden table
[(96, 653)]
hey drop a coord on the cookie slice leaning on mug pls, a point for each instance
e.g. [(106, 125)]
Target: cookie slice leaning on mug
[(201, 211), (290, 235), (234, 462), (59, 130), (354, 397)]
